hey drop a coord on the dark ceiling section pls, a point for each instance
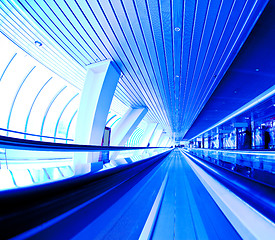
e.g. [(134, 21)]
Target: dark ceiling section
[(251, 73)]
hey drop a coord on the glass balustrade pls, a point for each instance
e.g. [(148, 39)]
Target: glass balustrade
[(25, 163)]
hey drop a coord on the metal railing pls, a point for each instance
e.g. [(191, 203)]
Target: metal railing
[(35, 135), (259, 165)]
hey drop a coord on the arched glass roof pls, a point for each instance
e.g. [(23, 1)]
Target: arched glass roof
[(36, 103)]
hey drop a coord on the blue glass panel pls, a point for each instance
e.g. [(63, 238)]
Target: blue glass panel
[(61, 125)]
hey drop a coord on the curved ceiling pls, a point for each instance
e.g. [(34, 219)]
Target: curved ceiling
[(172, 54)]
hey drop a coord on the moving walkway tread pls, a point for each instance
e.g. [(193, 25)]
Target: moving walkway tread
[(187, 210), (34, 207)]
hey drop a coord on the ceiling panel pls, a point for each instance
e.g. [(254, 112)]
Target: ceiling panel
[(172, 54)]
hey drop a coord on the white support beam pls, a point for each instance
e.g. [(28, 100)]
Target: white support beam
[(96, 97), (156, 135), (148, 134), (164, 141), (152, 135), (161, 138), (169, 143), (127, 125)]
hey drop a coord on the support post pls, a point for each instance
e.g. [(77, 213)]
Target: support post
[(156, 135), (148, 134), (169, 143), (96, 97), (165, 141), (161, 138), (126, 126), (220, 140)]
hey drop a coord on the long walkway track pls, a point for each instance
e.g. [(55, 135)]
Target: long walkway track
[(187, 210)]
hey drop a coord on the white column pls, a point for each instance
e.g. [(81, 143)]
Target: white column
[(163, 141), (161, 138), (126, 126), (152, 135), (148, 134), (168, 144), (96, 97), (156, 135)]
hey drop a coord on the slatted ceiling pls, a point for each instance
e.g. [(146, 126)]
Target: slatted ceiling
[(120, 92), (153, 99), (168, 51), (226, 53), (231, 37), (118, 107), (145, 53), (150, 43), (85, 31), (20, 31), (57, 15), (157, 42), (207, 36), (51, 26)]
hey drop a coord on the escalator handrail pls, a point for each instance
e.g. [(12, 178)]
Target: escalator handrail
[(25, 144), (26, 208)]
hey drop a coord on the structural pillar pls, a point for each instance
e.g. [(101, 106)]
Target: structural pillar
[(169, 143), (162, 135), (148, 134), (220, 140), (96, 97), (127, 125), (164, 141), (155, 137), (252, 122)]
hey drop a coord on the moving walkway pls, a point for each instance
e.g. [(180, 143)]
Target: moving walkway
[(172, 195)]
